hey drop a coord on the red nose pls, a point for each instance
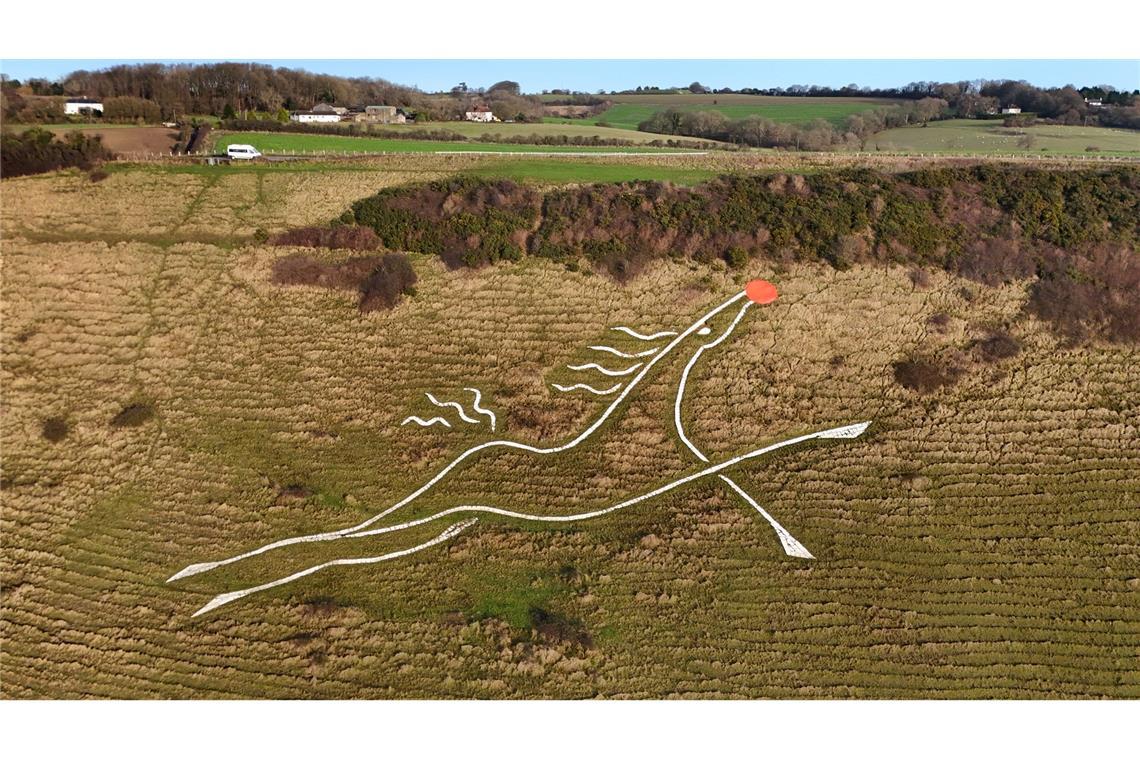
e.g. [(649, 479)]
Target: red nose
[(761, 291)]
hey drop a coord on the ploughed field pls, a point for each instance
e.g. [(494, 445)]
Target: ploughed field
[(978, 541)]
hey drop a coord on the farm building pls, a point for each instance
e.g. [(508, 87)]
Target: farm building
[(320, 113), (82, 107), (1011, 109), (380, 115), (479, 113)]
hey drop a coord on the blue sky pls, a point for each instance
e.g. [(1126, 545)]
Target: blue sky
[(591, 75)]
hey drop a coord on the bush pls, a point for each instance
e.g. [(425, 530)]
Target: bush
[(1090, 293), (98, 175), (380, 280), (36, 151), (999, 345), (55, 429), (925, 375), (383, 287)]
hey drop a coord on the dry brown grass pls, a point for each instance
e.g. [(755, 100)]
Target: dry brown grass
[(979, 542)]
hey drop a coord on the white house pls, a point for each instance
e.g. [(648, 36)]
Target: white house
[(311, 117), (82, 107), (321, 112), (1093, 102), (1011, 109), (479, 113)]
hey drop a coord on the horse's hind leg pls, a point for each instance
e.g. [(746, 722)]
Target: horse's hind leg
[(233, 596)]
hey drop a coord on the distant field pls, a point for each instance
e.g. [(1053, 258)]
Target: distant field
[(971, 136), (286, 142), (630, 110)]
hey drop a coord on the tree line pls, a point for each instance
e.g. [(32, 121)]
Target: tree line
[(155, 91), (758, 132)]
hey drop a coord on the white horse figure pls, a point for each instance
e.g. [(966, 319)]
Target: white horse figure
[(756, 292)]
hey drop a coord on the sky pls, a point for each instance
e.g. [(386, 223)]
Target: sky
[(592, 75)]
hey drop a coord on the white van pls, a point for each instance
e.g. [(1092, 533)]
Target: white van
[(242, 152)]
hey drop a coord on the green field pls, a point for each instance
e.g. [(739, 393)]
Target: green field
[(571, 128), (630, 110), (288, 142), (973, 136)]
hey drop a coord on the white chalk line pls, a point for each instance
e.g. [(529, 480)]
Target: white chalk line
[(233, 596), (590, 388), (640, 336), (792, 547), (480, 410), (603, 370), (846, 431), (425, 423), (454, 405), (623, 354), (202, 567)]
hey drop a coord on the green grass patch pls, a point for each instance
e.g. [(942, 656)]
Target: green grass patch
[(289, 142), (513, 598)]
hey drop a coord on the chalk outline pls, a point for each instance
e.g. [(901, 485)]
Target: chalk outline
[(659, 354), (481, 410), (603, 370), (425, 423), (635, 334), (452, 404)]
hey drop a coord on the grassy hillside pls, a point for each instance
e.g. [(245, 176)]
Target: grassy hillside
[(630, 110), (979, 541), (974, 136)]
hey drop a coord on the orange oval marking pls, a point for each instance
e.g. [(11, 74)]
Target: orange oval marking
[(761, 291)]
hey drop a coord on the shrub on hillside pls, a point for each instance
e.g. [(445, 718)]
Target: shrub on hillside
[(383, 287), (1090, 293), (55, 429), (925, 375), (998, 346), (380, 280), (36, 151)]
